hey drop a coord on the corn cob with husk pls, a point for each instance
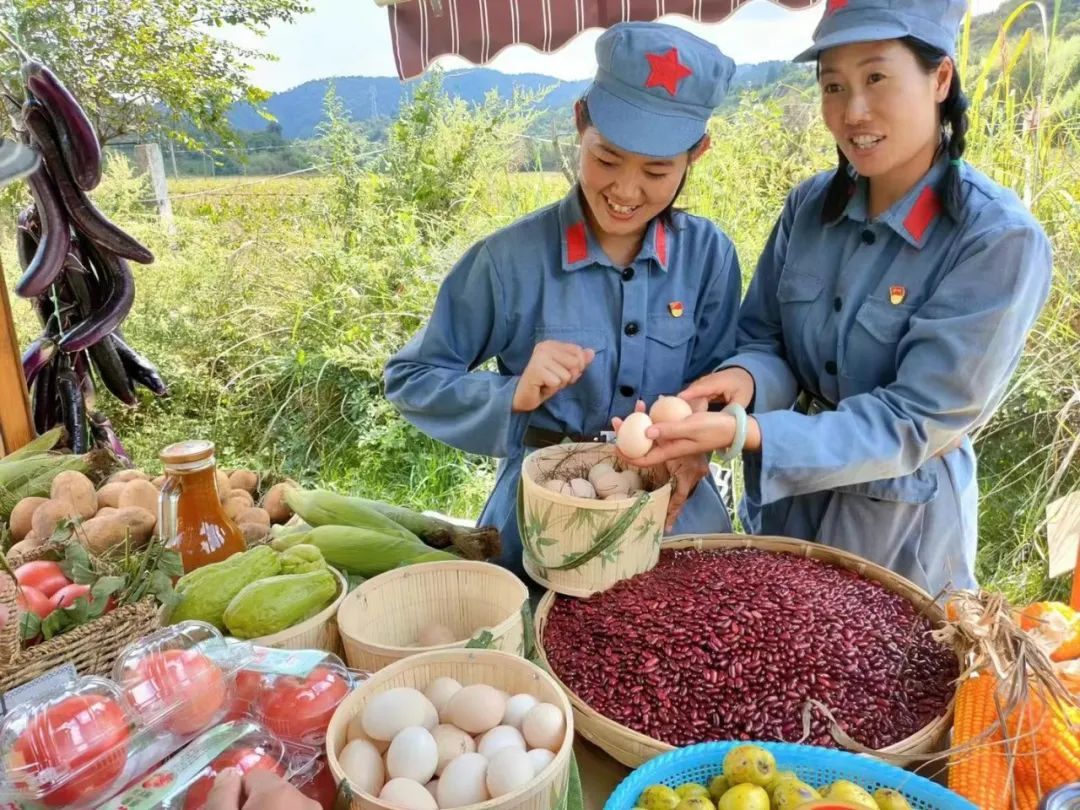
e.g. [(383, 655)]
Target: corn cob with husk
[(363, 552), (30, 471), (979, 766)]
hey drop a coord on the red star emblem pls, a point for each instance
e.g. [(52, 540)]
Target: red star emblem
[(666, 71), (833, 6)]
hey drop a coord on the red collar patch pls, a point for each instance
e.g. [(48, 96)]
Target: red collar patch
[(833, 6), (922, 213), (577, 243), (660, 243), (666, 71)]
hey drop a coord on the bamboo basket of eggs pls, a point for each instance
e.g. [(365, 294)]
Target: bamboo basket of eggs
[(587, 520)]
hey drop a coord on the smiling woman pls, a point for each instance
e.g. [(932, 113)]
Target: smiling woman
[(589, 305)]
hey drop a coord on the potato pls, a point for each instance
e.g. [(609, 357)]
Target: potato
[(76, 489), (22, 517), (140, 493), (253, 532), (274, 502), (224, 488), (254, 515), (159, 482), (245, 480), (237, 502), (48, 515), (24, 546), (124, 476), (105, 511), (100, 534), (109, 495)]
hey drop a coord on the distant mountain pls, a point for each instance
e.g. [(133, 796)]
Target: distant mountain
[(300, 110)]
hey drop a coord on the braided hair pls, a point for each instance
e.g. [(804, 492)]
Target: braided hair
[(954, 126)]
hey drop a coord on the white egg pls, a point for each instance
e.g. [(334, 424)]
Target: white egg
[(413, 755), (544, 727), (669, 409), (408, 795), (509, 770), (631, 439), (541, 758), (555, 485), (439, 692), (612, 485), (477, 708), (355, 731), (599, 471), (452, 742), (580, 488), (463, 782), (363, 766), (633, 480), (499, 738), (434, 635), (395, 709), (516, 709)]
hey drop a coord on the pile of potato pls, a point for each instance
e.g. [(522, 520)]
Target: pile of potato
[(126, 506)]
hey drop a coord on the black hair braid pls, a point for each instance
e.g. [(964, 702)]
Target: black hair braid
[(954, 114), (840, 188)]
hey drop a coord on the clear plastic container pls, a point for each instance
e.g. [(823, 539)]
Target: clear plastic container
[(184, 782), (94, 736)]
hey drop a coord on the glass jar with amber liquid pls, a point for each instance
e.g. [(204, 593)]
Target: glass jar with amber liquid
[(191, 518)]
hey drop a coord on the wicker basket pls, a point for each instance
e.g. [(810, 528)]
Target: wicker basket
[(320, 632), (632, 748), (91, 648), (484, 604), (499, 669), (571, 545)]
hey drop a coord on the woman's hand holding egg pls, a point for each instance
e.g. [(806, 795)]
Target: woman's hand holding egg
[(728, 385), (553, 366)]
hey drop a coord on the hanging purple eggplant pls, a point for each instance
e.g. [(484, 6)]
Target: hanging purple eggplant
[(84, 216), (104, 435), (36, 356), (44, 398), (138, 368), (110, 369), (71, 406), (114, 277), (52, 248), (76, 136)]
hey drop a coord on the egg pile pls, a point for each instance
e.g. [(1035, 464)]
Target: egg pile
[(603, 482), (450, 745), (632, 441)]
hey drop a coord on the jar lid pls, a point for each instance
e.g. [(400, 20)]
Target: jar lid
[(187, 452)]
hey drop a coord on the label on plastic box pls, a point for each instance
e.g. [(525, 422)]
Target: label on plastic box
[(298, 663), (49, 685), (178, 773)]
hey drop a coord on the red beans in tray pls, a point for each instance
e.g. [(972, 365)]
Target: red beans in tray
[(734, 644)]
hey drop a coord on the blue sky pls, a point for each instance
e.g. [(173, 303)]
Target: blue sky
[(352, 38)]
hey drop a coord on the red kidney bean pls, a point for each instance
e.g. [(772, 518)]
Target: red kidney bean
[(730, 644)]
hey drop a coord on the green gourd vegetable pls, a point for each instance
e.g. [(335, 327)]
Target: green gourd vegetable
[(269, 606), (206, 592)]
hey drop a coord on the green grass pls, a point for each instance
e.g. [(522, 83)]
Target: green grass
[(275, 304)]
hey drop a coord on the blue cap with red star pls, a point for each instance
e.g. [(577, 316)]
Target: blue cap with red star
[(655, 87), (846, 22)]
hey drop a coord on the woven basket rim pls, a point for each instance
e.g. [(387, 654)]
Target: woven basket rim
[(459, 656), (487, 569), (625, 735)]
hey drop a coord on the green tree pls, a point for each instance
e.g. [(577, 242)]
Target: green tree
[(146, 66)]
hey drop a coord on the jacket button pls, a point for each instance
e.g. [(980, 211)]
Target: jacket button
[(837, 303), (868, 237), (830, 367), (631, 329), (627, 273), (626, 390)]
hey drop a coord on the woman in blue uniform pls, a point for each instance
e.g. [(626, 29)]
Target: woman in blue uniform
[(590, 304), (886, 315)]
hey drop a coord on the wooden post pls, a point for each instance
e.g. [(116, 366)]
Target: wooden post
[(148, 159), (16, 422)]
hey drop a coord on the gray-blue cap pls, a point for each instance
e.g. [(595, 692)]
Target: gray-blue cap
[(656, 87), (935, 22)]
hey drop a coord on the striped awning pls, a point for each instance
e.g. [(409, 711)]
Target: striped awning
[(423, 30)]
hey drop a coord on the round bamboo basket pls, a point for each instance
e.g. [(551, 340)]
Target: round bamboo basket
[(579, 546), (320, 632), (501, 670), (632, 748), (483, 604)]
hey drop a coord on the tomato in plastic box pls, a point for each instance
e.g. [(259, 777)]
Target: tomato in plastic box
[(244, 758), (72, 749), (298, 710), (185, 685)]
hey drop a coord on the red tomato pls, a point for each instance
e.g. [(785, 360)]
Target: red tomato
[(244, 759), (83, 735), (248, 686), (183, 683), (323, 788), (33, 601), (298, 710), (66, 596), (43, 575)]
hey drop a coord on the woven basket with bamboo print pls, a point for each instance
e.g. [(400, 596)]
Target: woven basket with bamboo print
[(577, 546), (633, 748), (91, 648)]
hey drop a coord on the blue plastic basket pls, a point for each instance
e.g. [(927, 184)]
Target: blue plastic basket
[(815, 766)]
